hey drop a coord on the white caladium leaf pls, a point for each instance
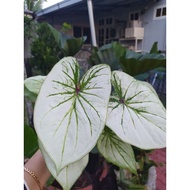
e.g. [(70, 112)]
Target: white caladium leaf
[(150, 87), (136, 114), (68, 175), (116, 151), (33, 84), (69, 114)]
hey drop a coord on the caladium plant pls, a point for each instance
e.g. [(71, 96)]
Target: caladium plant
[(112, 110), (135, 113)]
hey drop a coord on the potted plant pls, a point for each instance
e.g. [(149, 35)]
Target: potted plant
[(149, 67), (110, 110)]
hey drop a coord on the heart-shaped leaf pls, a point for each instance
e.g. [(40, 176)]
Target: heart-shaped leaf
[(32, 86), (116, 151), (136, 114), (68, 175), (69, 115)]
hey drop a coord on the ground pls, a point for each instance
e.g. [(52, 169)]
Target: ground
[(159, 156)]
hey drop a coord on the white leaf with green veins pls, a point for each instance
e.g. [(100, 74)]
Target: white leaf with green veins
[(116, 151), (33, 84), (68, 175), (69, 115), (136, 115)]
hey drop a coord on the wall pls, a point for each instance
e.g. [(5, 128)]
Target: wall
[(155, 29), (73, 19)]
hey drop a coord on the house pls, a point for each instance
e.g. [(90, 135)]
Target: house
[(136, 24)]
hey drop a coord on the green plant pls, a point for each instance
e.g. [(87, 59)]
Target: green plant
[(45, 51), (110, 109), (66, 27), (30, 24), (50, 46), (149, 67), (69, 44), (144, 67), (30, 27), (33, 5), (130, 62)]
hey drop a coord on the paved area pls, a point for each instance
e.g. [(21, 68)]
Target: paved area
[(159, 156)]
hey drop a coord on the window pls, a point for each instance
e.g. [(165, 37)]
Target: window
[(134, 16), (104, 30), (109, 21), (82, 31), (160, 12), (101, 22), (77, 31), (164, 11), (86, 32)]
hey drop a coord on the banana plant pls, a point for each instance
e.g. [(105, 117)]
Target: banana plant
[(110, 109)]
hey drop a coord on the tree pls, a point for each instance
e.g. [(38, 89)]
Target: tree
[(45, 50), (30, 7), (33, 5)]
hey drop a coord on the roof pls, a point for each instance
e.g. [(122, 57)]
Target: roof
[(81, 5), (61, 5)]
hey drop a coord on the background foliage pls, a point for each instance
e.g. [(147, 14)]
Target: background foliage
[(45, 51)]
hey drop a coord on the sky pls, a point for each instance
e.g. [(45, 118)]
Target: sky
[(50, 2)]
